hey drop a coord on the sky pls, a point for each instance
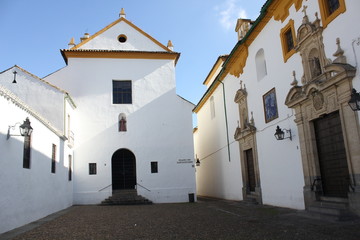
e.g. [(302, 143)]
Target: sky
[(32, 32)]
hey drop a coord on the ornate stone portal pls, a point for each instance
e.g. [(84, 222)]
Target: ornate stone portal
[(325, 92), (245, 134)]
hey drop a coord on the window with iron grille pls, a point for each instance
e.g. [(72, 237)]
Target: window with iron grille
[(122, 92), (330, 9), (92, 168), (53, 158), (289, 40), (70, 168), (27, 152), (154, 167), (332, 5)]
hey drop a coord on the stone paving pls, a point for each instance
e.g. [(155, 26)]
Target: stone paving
[(206, 219)]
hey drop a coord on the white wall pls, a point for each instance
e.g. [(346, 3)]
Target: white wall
[(281, 173), (280, 166), (36, 93), (218, 176), (158, 126), (30, 194)]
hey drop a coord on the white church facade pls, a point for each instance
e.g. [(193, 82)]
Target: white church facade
[(119, 125), (290, 77)]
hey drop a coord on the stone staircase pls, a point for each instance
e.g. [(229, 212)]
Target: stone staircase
[(250, 200), (332, 209), (125, 197)]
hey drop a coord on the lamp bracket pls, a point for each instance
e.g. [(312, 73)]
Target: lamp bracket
[(12, 128), (289, 132)]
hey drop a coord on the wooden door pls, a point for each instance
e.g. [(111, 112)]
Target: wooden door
[(123, 170), (332, 156), (251, 183)]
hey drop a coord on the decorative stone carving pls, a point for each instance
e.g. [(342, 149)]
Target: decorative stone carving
[(311, 48), (318, 100), (245, 134), (326, 89), (339, 54)]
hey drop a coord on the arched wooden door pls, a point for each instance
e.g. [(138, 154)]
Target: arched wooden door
[(123, 169)]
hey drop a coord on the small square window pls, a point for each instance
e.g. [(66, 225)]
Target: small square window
[(92, 168), (154, 167)]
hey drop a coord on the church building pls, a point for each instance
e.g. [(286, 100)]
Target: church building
[(112, 119), (279, 122)]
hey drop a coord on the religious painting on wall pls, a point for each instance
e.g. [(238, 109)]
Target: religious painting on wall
[(270, 105)]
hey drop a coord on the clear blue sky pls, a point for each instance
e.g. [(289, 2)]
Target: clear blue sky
[(33, 31)]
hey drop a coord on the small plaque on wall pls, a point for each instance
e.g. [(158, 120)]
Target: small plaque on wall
[(184, 161)]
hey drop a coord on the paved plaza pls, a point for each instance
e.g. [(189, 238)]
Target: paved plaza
[(206, 219)]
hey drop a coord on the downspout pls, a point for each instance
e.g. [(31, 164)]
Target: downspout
[(226, 120)]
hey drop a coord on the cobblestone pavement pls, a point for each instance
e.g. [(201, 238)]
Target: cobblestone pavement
[(206, 219)]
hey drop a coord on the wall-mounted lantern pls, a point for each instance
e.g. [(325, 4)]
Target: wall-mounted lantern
[(25, 129), (280, 134), (354, 101), (197, 161)]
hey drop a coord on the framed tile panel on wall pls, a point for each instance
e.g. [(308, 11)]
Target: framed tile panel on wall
[(270, 105)]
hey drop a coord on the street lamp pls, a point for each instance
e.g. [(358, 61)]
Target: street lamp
[(280, 134), (25, 129), (197, 163), (354, 101)]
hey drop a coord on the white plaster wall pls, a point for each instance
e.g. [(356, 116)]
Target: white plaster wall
[(30, 194), (280, 161), (218, 176), (36, 94), (159, 127), (108, 40), (281, 175)]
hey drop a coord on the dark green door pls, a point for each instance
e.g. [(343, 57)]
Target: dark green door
[(123, 170)]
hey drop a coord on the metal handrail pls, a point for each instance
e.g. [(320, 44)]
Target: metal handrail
[(314, 182), (143, 187), (350, 184), (105, 187)]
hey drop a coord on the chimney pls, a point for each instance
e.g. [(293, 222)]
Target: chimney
[(242, 27), (170, 45), (71, 44), (122, 13), (86, 36)]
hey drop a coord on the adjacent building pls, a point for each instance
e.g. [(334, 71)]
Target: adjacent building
[(276, 111), (119, 125)]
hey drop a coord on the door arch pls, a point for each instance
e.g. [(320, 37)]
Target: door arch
[(123, 169)]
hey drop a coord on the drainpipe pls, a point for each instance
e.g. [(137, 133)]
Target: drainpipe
[(226, 120)]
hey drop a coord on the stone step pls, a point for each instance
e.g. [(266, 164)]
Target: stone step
[(250, 200), (125, 197), (330, 210)]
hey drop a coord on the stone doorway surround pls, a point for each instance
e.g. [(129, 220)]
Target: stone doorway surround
[(326, 88), (245, 134)]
